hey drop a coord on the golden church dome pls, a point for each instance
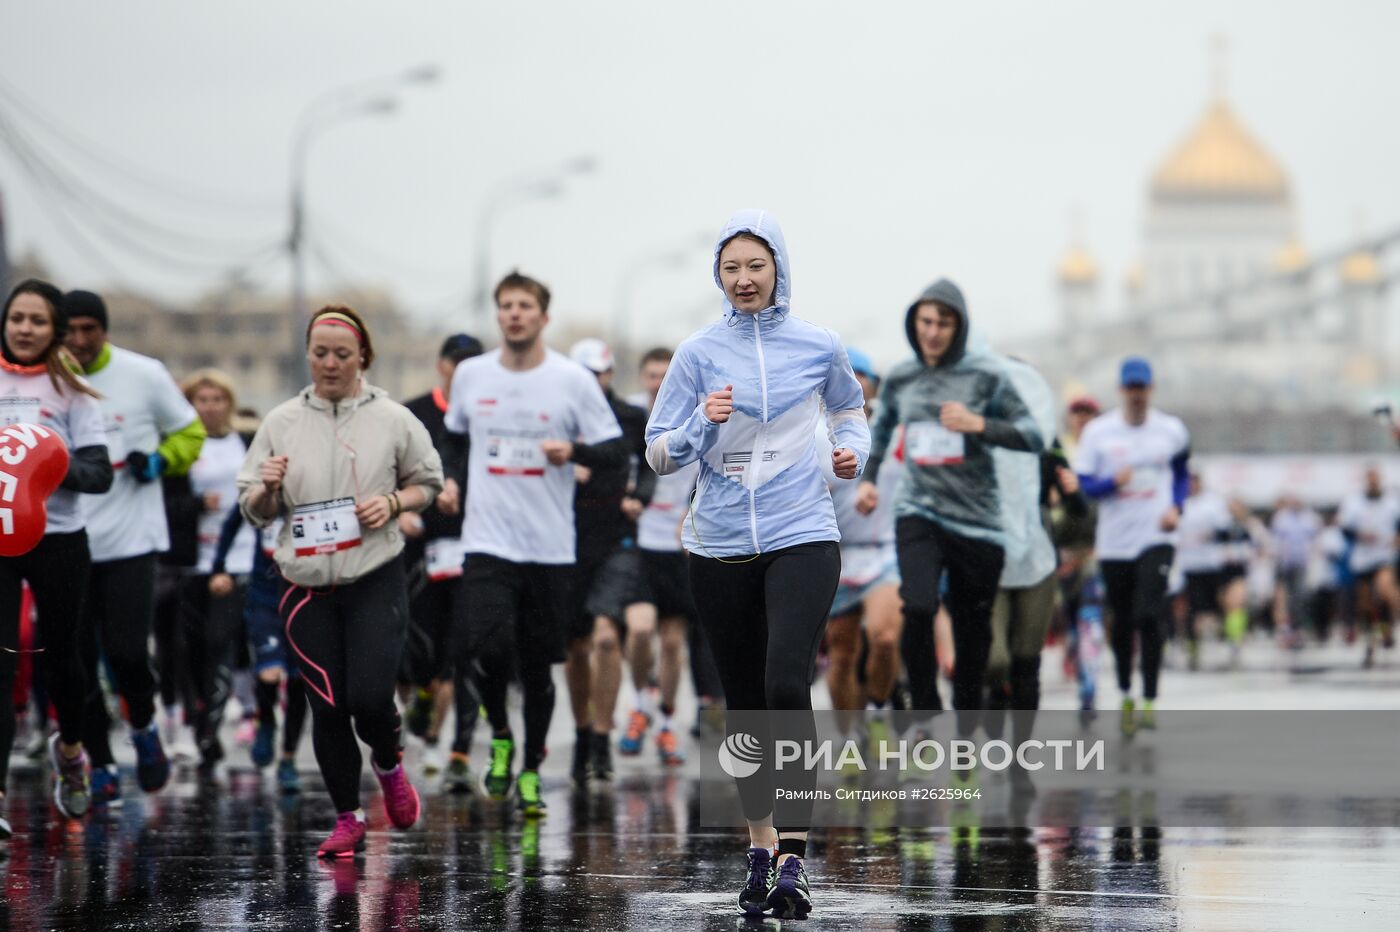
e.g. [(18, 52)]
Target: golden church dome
[(1220, 158), (1077, 267), (1361, 268), (1291, 258)]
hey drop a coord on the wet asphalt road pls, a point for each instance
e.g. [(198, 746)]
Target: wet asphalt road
[(236, 855)]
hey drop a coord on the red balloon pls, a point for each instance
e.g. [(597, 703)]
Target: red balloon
[(33, 461)]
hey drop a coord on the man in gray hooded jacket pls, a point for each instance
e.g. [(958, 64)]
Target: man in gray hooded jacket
[(954, 406)]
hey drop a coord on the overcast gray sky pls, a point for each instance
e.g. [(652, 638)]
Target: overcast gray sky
[(895, 141)]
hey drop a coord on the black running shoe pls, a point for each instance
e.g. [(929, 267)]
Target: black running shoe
[(419, 714), (601, 766), (753, 899), (790, 897), (583, 748)]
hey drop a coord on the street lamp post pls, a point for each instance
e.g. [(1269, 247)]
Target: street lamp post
[(626, 294), (533, 187), (362, 98)]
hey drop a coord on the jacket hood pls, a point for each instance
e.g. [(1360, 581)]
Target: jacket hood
[(764, 225), (946, 293)]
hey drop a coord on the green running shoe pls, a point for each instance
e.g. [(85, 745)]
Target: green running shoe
[(498, 779), (527, 795), (1127, 722), (1148, 718)]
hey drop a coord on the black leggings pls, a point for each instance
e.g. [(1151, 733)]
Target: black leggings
[(211, 627), (119, 617), (170, 673), (57, 571), (347, 641), (1137, 598), (925, 550), (513, 615), (703, 674), (764, 619)]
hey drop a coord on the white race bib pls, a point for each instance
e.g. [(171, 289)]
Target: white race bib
[(325, 527), (737, 463), (929, 443), (270, 536), (514, 456), (445, 558), (15, 410)]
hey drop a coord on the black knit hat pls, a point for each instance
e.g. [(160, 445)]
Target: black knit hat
[(85, 304)]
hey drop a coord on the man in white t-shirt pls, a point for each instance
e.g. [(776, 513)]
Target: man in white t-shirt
[(1133, 460), (152, 431), (531, 414), (1370, 520), (1204, 524)]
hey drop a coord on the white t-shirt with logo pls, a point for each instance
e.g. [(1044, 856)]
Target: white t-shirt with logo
[(519, 507), (140, 404), (1204, 517), (1129, 520), (1374, 522), (216, 471), (75, 417)]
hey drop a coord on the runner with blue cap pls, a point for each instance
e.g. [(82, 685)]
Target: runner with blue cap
[(1133, 461)]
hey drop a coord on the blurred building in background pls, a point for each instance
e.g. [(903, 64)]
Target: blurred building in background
[(245, 332), (1260, 345)]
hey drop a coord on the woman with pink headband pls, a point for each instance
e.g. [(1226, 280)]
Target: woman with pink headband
[(333, 468)]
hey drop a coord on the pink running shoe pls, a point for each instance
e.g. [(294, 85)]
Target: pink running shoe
[(346, 841), (400, 798)]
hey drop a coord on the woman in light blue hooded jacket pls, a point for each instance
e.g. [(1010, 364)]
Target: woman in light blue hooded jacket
[(743, 397)]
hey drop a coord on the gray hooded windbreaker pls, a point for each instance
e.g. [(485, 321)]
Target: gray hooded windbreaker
[(950, 479)]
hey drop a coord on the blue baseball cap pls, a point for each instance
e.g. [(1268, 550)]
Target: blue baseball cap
[(861, 364), (1135, 371)]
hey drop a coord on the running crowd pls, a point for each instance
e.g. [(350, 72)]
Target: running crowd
[(768, 500)]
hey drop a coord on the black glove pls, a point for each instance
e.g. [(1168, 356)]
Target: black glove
[(145, 467)]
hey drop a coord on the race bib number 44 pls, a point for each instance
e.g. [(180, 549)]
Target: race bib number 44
[(929, 443), (325, 527), (514, 456)]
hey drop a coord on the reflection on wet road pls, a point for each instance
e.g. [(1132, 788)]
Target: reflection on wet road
[(238, 856)]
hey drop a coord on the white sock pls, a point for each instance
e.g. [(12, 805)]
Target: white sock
[(665, 720), (644, 700)]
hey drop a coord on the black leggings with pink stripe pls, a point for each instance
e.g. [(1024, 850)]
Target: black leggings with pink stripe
[(347, 640)]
